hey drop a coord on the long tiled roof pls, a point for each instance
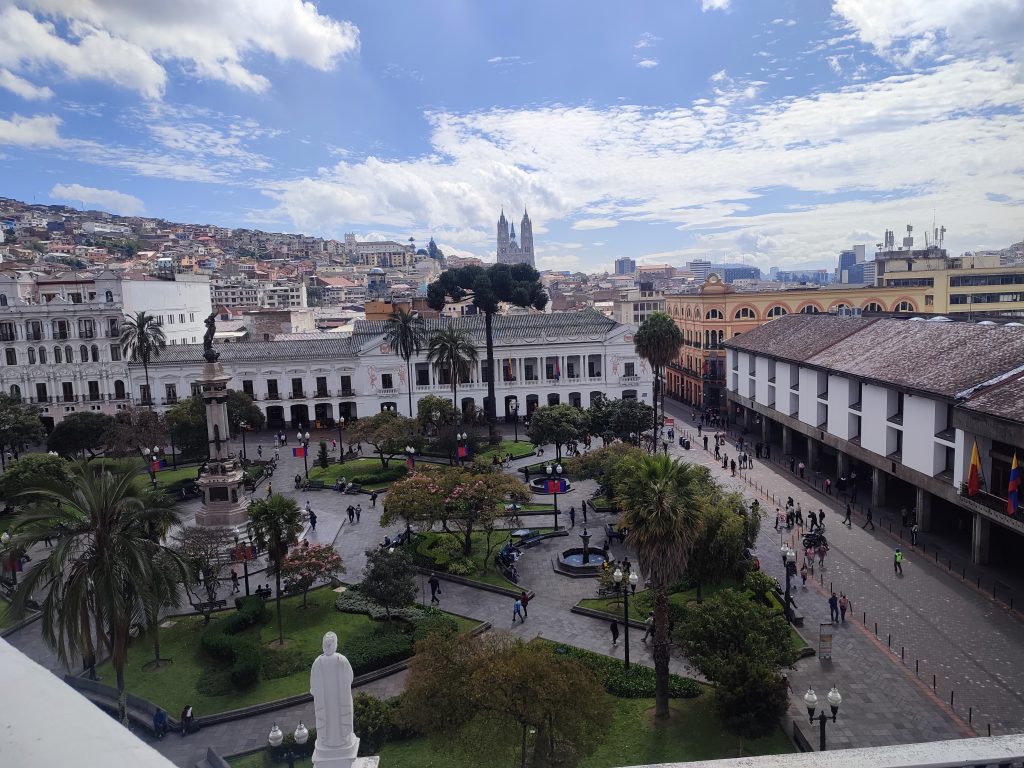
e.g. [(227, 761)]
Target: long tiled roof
[(1004, 401), (258, 351), (943, 358), (507, 329)]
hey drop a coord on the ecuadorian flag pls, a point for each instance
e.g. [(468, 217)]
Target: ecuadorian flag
[(974, 474), (1012, 496)]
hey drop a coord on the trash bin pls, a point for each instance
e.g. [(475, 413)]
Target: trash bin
[(686, 444)]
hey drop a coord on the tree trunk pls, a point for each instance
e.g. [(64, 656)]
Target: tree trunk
[(654, 437), (700, 593), (156, 640), (145, 369), (122, 697), (661, 652), (467, 543), (277, 579), (492, 429), (408, 381)]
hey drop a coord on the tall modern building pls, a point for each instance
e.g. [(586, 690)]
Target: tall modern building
[(625, 266), (511, 252)]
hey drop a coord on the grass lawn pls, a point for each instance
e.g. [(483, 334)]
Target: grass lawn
[(5, 615), (173, 479), (425, 540), (517, 449), (194, 679), (603, 504), (350, 468), (634, 737)]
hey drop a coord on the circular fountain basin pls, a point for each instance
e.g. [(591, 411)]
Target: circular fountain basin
[(570, 561), (539, 485)]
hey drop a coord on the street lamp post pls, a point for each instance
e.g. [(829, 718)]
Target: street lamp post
[(151, 456), (632, 580), (304, 439), (242, 427), (463, 438), (811, 700), (276, 738), (554, 472), (410, 460), (515, 418), (790, 559), (341, 440), (12, 558)]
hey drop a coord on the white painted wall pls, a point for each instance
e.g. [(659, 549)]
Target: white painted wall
[(172, 298)]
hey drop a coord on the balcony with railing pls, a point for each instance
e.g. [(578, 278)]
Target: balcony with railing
[(272, 396), (387, 391), (169, 400), (346, 393), (322, 393), (297, 394)]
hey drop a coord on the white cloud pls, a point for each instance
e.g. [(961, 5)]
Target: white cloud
[(105, 199), (503, 59), (718, 77), (19, 86), (714, 5), (38, 131), (647, 63), (909, 29), (863, 156), (129, 42), (647, 40), (587, 224)]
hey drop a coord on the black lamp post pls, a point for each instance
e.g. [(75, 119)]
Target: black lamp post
[(554, 472), (11, 557), (341, 440), (632, 580), (514, 406), (304, 439), (276, 738), (811, 700), (152, 456), (242, 427), (410, 460), (463, 438), (245, 554)]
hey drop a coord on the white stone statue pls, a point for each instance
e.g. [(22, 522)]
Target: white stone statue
[(330, 682)]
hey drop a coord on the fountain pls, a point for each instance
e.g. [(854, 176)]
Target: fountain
[(580, 561)]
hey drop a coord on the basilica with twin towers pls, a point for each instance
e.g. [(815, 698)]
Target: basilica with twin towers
[(511, 252)]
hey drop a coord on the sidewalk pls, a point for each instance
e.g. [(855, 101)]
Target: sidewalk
[(933, 622)]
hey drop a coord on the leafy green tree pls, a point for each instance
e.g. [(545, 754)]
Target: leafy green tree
[(80, 433), (451, 351), (750, 699), (623, 420), (19, 425), (440, 422), (30, 470), (660, 503), (241, 410), (206, 552), (517, 284), (133, 429), (658, 341), (604, 465), (558, 424), (433, 411), (718, 549), (97, 572), (389, 578), (305, 566), (162, 591), (186, 422), (406, 336), (486, 694), (322, 458), (388, 433), (142, 338), (276, 524)]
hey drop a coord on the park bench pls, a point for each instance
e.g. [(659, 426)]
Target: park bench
[(607, 591), (211, 606), (314, 485), (140, 711)]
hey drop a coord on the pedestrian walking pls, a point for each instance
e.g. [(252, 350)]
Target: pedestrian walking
[(913, 534), (47, 540), (847, 520), (897, 561), (822, 551), (525, 600), (309, 509), (792, 464), (277, 454), (435, 589), (802, 468), (359, 511), (270, 489), (234, 581), (312, 521), (351, 513), (517, 610), (259, 451), (373, 499), (732, 466), (718, 452), (833, 606), (779, 518), (803, 573), (870, 521), (583, 508), (821, 520), (615, 632), (828, 487), (844, 606), (572, 517), (649, 625)]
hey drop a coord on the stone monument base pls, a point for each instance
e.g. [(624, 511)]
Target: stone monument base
[(223, 499), (339, 757)]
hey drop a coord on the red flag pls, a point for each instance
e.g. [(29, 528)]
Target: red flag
[(974, 475), (298, 452)]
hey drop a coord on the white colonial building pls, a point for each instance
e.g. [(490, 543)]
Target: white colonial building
[(61, 335), (540, 359), (901, 402)]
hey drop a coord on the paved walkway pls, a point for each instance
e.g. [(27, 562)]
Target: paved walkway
[(932, 623)]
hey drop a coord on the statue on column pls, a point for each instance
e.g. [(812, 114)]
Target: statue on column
[(211, 328), (330, 682)]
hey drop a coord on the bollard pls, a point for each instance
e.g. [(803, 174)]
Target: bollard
[(936, 555), (890, 640), (990, 729), (933, 683), (917, 666), (903, 655), (865, 619), (970, 715), (821, 578), (830, 589), (951, 699), (876, 629)]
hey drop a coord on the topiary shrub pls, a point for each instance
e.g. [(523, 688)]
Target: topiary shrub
[(636, 683), (381, 649), (219, 640), (374, 723)]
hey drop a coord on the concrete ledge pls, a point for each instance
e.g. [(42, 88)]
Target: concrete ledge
[(605, 616), (508, 592)]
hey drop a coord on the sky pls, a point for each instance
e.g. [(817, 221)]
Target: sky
[(765, 132)]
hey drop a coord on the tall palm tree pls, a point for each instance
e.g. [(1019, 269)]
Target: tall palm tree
[(99, 573), (406, 336), (452, 351), (142, 338), (276, 523), (660, 498), (658, 341)]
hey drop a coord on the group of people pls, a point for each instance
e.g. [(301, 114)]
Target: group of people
[(161, 724)]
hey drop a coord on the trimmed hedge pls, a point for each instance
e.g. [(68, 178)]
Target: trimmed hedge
[(219, 641), (381, 649), (382, 475), (637, 683), (423, 621)]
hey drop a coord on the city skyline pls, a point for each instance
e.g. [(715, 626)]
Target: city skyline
[(650, 134)]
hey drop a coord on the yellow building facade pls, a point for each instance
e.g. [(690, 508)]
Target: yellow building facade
[(956, 285), (718, 312)]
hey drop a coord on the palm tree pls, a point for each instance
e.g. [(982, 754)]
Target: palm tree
[(658, 341), (99, 573), (276, 523), (452, 351), (406, 336), (142, 339), (660, 498)]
